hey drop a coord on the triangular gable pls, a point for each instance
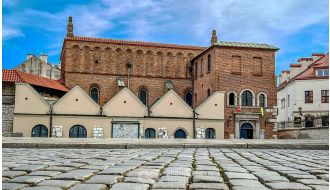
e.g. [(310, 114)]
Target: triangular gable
[(76, 101), (171, 105), (212, 107), (125, 104), (28, 100)]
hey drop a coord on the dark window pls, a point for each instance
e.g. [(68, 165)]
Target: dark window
[(325, 120), (39, 131), (232, 99), (262, 100), (246, 98), (210, 133), (180, 134), (188, 98), (95, 94), (201, 67), (309, 96), (150, 133), (143, 96), (77, 131), (208, 93), (325, 96), (209, 63)]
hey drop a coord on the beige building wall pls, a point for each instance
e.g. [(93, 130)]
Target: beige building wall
[(217, 125), (66, 122), (212, 107), (25, 123), (78, 102), (125, 103), (27, 100), (171, 105)]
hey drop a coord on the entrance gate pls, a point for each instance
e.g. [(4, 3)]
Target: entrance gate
[(246, 131)]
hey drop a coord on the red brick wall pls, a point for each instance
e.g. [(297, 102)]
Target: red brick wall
[(221, 78)]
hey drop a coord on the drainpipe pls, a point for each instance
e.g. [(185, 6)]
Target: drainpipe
[(193, 98), (51, 121)]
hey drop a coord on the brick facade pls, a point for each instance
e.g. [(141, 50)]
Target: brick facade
[(96, 61)]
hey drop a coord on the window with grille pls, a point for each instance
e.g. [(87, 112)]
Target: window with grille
[(247, 98), (325, 96), (309, 96)]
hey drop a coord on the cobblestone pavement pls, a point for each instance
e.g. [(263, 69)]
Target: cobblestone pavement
[(140, 169)]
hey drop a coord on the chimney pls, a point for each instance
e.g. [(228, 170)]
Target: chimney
[(316, 56), (214, 38), (69, 29), (28, 56), (284, 76), (305, 62), (295, 69), (44, 58)]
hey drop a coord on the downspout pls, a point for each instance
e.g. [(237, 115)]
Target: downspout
[(51, 121), (193, 99)]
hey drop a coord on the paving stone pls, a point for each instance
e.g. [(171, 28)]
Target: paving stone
[(89, 187), (65, 184), (12, 174), (80, 174), (295, 177), (233, 175), (13, 186), (313, 182), (287, 186), (28, 179), (43, 188), (45, 173), (5, 179), (129, 186), (235, 169), (105, 179), (177, 171), (169, 185), (249, 188), (144, 173), (198, 186), (59, 168), (268, 177), (116, 170), (206, 173), (243, 182), (30, 168), (207, 179), (168, 178), (319, 187), (139, 180), (324, 177), (206, 168)]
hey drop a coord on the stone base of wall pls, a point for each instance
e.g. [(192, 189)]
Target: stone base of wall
[(7, 118), (320, 133)]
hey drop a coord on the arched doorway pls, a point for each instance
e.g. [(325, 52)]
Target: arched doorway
[(246, 131), (210, 133), (39, 131), (78, 131), (180, 134), (150, 133)]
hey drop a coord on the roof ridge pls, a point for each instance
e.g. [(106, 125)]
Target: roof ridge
[(147, 43)]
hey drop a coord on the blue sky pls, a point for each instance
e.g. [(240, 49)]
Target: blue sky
[(298, 27)]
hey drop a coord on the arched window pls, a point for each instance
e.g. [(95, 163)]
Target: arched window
[(246, 98), (78, 131), (188, 98), (150, 133), (39, 131), (143, 96), (231, 99), (262, 100), (95, 93), (180, 134), (210, 133), (208, 92)]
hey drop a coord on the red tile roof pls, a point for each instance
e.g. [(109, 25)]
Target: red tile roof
[(131, 42), (310, 71), (305, 59), (295, 65), (19, 76)]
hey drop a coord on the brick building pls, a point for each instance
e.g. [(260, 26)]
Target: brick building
[(244, 71)]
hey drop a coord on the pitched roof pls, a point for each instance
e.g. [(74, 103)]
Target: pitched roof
[(132, 42), (246, 45), (19, 76), (309, 73)]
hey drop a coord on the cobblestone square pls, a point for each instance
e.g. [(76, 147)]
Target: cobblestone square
[(172, 168)]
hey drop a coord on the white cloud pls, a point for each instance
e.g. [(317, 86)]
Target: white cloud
[(8, 33)]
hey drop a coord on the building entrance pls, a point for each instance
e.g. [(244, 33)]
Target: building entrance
[(246, 131)]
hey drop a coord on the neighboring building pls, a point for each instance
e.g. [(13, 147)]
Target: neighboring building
[(227, 90), (40, 66), (303, 93), (48, 89)]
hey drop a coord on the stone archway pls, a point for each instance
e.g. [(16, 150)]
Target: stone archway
[(180, 134)]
